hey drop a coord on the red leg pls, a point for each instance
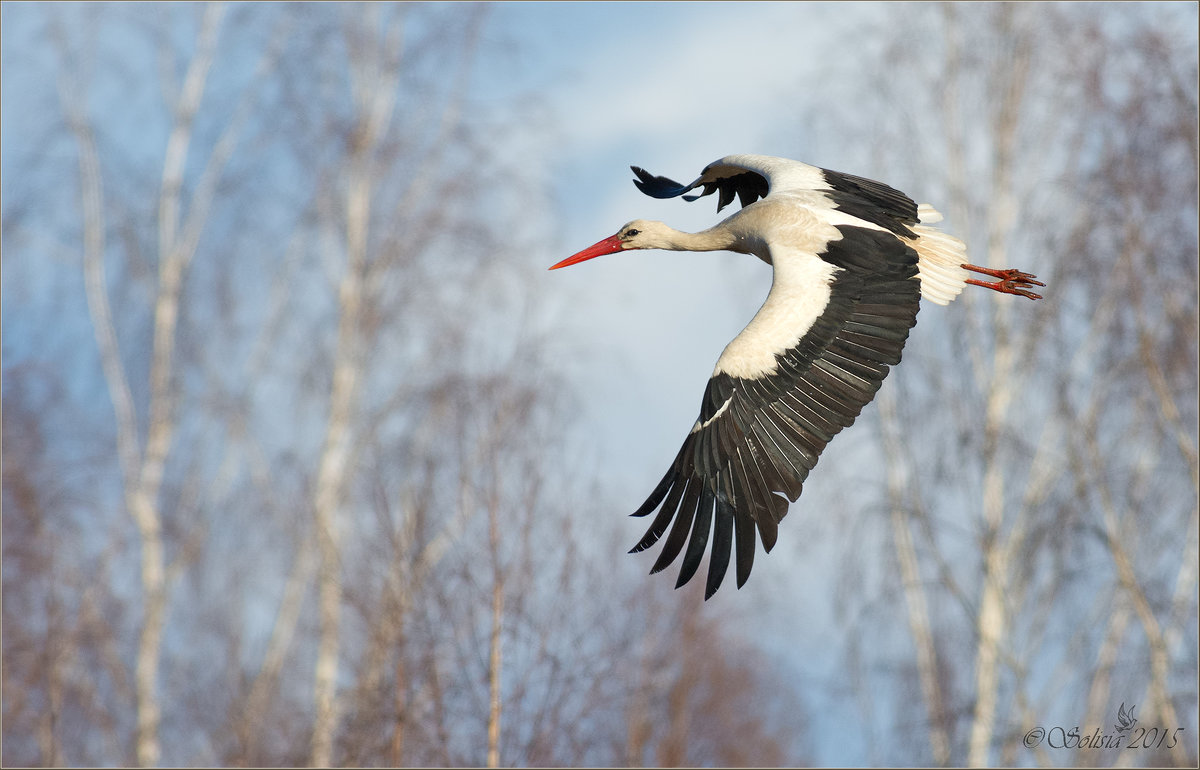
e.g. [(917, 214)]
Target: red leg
[(1012, 281)]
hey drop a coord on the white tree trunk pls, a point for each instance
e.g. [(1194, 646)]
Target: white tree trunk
[(374, 86), (992, 622), (331, 479), (918, 610), (143, 470), (493, 729)]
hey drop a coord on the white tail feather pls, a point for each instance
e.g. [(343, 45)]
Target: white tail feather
[(940, 259), (928, 215)]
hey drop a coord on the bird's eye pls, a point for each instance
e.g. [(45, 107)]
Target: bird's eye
[(631, 233)]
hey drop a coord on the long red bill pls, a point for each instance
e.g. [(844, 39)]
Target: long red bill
[(607, 246)]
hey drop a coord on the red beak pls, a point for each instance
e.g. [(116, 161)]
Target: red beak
[(607, 246)]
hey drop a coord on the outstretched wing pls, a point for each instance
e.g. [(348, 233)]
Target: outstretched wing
[(761, 432), (751, 177)]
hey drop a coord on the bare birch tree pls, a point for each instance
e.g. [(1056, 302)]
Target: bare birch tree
[(143, 459), (151, 414)]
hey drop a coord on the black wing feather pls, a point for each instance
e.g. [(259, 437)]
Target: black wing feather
[(872, 201), (665, 514), (722, 546), (698, 542), (743, 527), (747, 186), (657, 186), (679, 531)]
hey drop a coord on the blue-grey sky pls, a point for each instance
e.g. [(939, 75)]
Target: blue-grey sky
[(669, 87)]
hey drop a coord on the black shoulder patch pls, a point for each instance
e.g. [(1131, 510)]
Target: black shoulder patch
[(872, 201), (880, 256)]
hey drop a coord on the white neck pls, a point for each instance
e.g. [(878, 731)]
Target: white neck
[(713, 239)]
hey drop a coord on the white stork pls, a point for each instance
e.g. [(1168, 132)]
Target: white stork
[(852, 259)]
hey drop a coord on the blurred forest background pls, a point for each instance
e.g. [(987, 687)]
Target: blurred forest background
[(292, 466)]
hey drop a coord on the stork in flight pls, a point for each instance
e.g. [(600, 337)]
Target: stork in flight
[(852, 259)]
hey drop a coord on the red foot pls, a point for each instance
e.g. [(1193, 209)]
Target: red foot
[(1012, 281)]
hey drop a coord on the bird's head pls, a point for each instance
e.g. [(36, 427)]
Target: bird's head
[(638, 234)]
